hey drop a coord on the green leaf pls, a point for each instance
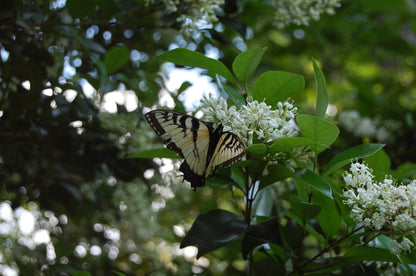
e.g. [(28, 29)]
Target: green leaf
[(288, 143), (304, 210), (155, 153), (405, 170), (115, 58), (238, 177), (257, 150), (213, 230), (245, 64), (380, 163), (322, 132), (264, 232), (321, 93), (275, 86), (187, 57), (275, 173), (234, 95), (308, 228), (329, 218), (367, 253), (185, 85), (345, 157), (317, 182), (80, 8)]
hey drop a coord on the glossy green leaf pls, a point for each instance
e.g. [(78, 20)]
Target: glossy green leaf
[(288, 143), (304, 210), (155, 153), (187, 57), (237, 175), (317, 182), (322, 132), (380, 164), (329, 218), (275, 86), (345, 157), (275, 173), (257, 150), (115, 58), (404, 171), (367, 253), (234, 95), (245, 64), (321, 93), (213, 230)]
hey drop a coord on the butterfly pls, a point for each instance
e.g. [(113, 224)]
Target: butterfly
[(203, 147)]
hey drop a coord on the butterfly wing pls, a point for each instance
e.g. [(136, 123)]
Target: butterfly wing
[(203, 148), (228, 150), (189, 137)]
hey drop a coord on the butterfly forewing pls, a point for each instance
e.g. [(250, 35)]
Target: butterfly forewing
[(185, 134)]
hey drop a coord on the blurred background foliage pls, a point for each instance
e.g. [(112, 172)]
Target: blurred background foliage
[(63, 156)]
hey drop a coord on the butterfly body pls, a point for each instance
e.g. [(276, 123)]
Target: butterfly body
[(203, 147)]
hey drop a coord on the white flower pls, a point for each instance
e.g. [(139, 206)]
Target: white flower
[(255, 122), (301, 12), (383, 205), (403, 246)]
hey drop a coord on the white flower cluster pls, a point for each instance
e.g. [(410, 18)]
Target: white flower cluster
[(255, 122), (301, 12), (384, 205), (198, 13), (352, 121)]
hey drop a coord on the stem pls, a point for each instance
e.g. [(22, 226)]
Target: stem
[(331, 246)]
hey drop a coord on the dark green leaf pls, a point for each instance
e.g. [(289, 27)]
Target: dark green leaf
[(322, 132), (317, 182), (245, 64), (264, 232), (321, 93), (345, 157), (301, 223), (275, 173), (115, 58), (304, 210), (155, 153), (187, 57), (366, 253), (275, 86), (329, 218), (185, 85), (213, 230), (237, 175)]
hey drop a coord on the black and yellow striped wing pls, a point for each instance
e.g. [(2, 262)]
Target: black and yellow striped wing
[(202, 147)]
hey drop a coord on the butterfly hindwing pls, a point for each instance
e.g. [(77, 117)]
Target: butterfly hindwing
[(202, 147), (229, 149)]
